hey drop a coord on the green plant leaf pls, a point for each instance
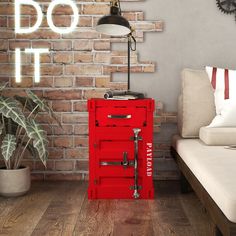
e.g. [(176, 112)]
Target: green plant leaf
[(3, 86), (28, 103), (1, 128), (8, 146), (39, 137), (9, 108), (30, 148), (43, 105)]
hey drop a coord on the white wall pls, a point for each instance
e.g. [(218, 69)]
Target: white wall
[(196, 34)]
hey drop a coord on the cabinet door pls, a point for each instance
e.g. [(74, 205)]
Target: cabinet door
[(112, 147)]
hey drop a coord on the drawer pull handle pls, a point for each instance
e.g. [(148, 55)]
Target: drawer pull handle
[(119, 116)]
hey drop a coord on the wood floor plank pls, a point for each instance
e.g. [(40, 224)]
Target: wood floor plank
[(196, 214), (62, 208), (168, 216), (96, 218), (133, 217), (60, 216), (22, 214)]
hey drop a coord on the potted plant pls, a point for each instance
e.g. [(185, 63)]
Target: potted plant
[(19, 131)]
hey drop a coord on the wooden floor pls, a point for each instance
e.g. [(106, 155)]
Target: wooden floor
[(62, 208)]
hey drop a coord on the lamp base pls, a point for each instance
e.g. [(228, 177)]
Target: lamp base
[(123, 95)]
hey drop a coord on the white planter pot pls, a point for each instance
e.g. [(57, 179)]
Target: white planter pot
[(14, 182)]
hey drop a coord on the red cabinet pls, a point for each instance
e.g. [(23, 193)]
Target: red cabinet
[(120, 149)]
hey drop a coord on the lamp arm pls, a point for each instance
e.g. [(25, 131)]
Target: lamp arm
[(133, 45), (116, 3)]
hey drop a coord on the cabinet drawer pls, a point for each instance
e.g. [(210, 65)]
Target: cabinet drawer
[(121, 116)]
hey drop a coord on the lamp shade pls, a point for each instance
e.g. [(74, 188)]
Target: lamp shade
[(113, 25)]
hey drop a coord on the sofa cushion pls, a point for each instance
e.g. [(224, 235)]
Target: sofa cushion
[(218, 136), (197, 108), (214, 167)]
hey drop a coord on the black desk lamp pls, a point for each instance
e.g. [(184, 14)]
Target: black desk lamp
[(116, 25)]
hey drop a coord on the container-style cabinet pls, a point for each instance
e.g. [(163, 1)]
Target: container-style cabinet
[(120, 149)]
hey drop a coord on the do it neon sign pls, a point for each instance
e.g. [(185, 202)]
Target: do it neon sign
[(27, 30)]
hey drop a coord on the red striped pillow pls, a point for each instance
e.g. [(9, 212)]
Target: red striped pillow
[(224, 84)]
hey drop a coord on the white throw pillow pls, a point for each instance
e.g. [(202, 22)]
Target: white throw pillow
[(227, 117), (224, 84)]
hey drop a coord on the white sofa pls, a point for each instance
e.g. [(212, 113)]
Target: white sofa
[(205, 164)]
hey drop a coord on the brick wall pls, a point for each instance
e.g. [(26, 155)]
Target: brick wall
[(79, 66)]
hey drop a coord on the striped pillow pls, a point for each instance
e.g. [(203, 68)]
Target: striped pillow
[(224, 83)]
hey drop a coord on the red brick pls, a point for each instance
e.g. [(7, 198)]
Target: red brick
[(85, 21), (7, 69), (93, 93), (41, 44), (65, 130), (63, 57), (62, 45), (60, 20), (81, 141), (84, 81), (63, 81), (64, 165), (62, 106), (102, 57), (81, 129), (83, 45), (56, 153), (80, 106), (61, 10), (3, 45), (44, 70), (39, 34), (102, 82), (4, 58), (63, 142), (82, 165), (82, 69), (44, 58), (3, 21), (95, 9), (39, 165), (44, 82), (102, 45), (63, 94), (82, 34), (44, 118), (7, 9), (83, 57), (25, 58), (77, 153), (74, 118), (6, 34), (27, 82), (25, 21)]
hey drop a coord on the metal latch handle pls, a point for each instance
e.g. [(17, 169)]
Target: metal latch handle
[(136, 138), (125, 163), (119, 116)]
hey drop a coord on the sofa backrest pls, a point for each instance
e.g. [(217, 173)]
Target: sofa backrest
[(196, 106)]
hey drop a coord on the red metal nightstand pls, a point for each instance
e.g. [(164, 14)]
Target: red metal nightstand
[(120, 149)]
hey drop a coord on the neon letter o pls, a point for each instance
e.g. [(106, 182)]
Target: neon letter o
[(74, 22)]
